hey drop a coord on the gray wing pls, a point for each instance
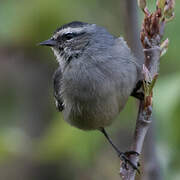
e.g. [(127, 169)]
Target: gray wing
[(57, 89)]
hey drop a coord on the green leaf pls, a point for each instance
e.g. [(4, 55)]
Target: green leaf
[(160, 4)]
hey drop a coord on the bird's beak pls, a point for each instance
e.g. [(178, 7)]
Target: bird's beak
[(49, 42)]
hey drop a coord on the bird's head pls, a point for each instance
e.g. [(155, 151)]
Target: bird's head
[(73, 39)]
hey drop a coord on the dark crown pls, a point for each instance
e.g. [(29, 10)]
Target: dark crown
[(74, 24)]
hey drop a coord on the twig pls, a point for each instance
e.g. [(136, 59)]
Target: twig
[(151, 35), (151, 164)]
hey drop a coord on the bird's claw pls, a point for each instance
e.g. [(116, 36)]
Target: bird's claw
[(125, 158), (129, 153)]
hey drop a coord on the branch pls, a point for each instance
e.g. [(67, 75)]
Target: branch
[(151, 165), (129, 10), (151, 34)]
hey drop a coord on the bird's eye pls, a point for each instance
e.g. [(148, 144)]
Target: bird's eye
[(69, 36)]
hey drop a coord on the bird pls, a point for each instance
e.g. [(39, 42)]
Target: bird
[(97, 73)]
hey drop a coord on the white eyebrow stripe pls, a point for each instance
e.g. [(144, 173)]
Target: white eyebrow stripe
[(68, 30)]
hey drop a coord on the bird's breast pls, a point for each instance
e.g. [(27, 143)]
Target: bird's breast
[(92, 97)]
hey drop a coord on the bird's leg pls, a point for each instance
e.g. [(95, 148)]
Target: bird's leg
[(135, 93), (124, 156)]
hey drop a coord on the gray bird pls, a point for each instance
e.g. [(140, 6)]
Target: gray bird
[(96, 75)]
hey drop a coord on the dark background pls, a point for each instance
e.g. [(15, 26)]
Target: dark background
[(35, 142)]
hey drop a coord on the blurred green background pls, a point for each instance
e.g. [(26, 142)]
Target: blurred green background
[(35, 142)]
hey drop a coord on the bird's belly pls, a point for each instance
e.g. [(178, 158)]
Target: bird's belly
[(93, 97), (92, 114)]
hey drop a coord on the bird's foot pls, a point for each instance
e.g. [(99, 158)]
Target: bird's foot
[(125, 158)]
